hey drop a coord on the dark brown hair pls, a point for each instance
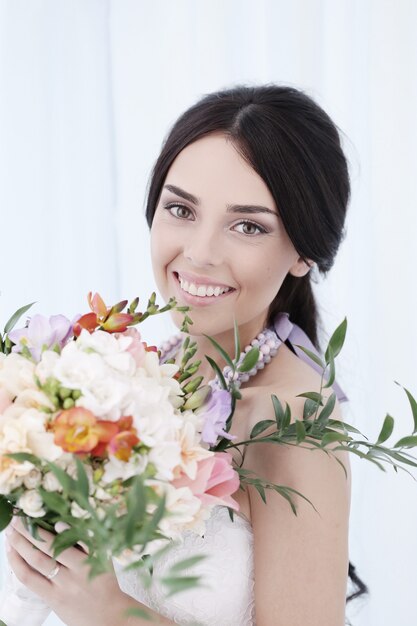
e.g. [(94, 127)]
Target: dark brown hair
[(295, 147)]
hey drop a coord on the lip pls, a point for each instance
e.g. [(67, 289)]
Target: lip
[(198, 301), (201, 280)]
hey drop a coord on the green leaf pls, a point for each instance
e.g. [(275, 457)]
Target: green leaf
[(407, 442), (328, 409), (217, 371), (287, 417), (261, 490), (186, 563), (361, 455), (176, 584), (136, 507), (332, 370), (310, 407), (16, 317), (66, 539), (250, 360), (386, 430), (68, 484), (6, 513), (345, 426), (82, 479), (311, 395), (141, 613), (21, 457), (312, 355), (336, 341), (413, 405), (152, 525), (260, 427), (300, 430), (220, 350), (330, 437), (54, 502), (237, 340), (278, 410)]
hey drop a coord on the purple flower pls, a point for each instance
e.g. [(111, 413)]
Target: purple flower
[(215, 412), (42, 332)]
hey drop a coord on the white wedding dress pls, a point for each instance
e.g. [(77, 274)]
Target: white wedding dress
[(227, 573)]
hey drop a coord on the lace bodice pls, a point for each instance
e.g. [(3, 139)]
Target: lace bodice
[(227, 573)]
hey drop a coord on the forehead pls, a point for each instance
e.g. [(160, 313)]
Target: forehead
[(212, 167)]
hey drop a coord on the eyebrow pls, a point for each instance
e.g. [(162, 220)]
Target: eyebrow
[(231, 208)]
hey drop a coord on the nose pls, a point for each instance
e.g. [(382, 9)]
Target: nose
[(203, 248)]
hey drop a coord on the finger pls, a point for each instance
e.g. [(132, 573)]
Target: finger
[(28, 576), (71, 557), (35, 558)]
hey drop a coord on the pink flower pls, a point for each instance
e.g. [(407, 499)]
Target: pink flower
[(136, 348), (215, 482)]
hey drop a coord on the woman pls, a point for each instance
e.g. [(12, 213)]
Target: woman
[(247, 198)]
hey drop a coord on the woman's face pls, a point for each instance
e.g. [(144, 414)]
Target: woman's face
[(216, 227)]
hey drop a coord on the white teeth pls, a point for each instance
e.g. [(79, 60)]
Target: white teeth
[(202, 290)]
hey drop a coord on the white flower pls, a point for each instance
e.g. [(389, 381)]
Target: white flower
[(33, 478), (12, 473), (45, 368), (31, 503), (33, 398), (116, 469), (77, 511), (16, 374), (76, 369), (112, 349), (163, 376), (51, 483), (165, 456), (26, 433), (106, 398), (191, 450), (183, 507)]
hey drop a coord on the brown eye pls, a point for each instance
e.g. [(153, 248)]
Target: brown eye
[(182, 211), (250, 228)]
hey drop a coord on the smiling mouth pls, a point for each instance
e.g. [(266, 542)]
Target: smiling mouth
[(200, 291)]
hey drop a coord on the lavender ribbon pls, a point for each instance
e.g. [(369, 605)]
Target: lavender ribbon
[(285, 329)]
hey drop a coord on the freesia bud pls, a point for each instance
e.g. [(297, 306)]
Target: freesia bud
[(198, 398)]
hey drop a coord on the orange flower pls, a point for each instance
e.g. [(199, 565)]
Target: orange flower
[(121, 444), (78, 430), (110, 319)]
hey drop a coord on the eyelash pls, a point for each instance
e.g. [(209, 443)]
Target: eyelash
[(261, 229)]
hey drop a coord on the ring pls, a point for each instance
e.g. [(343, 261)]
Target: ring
[(54, 572)]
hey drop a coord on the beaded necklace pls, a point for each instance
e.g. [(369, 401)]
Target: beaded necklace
[(267, 342)]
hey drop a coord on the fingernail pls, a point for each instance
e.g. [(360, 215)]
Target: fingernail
[(9, 530)]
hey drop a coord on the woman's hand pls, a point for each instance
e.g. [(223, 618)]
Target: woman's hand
[(75, 599)]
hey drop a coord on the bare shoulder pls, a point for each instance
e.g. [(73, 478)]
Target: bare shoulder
[(300, 560)]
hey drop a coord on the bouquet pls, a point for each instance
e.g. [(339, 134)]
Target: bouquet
[(95, 432)]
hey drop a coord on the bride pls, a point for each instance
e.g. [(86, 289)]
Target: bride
[(246, 200)]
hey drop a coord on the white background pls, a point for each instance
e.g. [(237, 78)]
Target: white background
[(89, 89)]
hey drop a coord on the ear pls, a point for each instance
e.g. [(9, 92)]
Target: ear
[(301, 268)]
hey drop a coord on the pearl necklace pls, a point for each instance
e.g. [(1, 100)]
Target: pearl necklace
[(267, 341)]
